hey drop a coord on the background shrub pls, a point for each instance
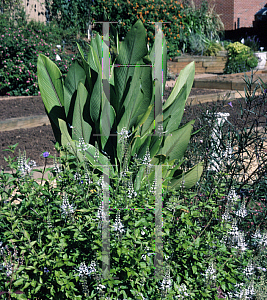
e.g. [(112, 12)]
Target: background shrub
[(240, 59), (253, 43)]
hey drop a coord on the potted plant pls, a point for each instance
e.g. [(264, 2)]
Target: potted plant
[(254, 44), (261, 56)]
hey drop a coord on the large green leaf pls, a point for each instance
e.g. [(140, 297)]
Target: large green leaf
[(173, 109), (96, 44), (50, 83), (81, 128), (75, 75), (176, 144), (96, 96), (51, 87), (187, 179), (88, 82), (107, 118), (89, 153), (132, 49), (162, 48), (186, 77)]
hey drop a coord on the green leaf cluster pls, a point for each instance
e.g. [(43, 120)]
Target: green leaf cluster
[(118, 129), (240, 58)]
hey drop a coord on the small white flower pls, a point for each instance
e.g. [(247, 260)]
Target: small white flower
[(182, 291), (166, 282), (124, 135), (83, 270), (23, 167), (153, 188), (8, 267), (118, 226), (87, 179), (57, 168), (82, 146), (242, 212), (58, 57), (233, 197), (263, 240), (241, 241), (77, 176), (234, 231), (142, 232), (211, 272), (257, 234), (249, 269), (131, 191), (66, 207), (146, 159), (100, 287)]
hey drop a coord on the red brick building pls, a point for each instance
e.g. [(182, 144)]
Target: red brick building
[(236, 13)]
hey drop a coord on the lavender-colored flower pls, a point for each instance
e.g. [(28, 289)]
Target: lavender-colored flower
[(46, 270), (231, 104), (45, 154)]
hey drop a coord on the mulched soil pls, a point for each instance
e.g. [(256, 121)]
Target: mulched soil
[(39, 139), (19, 107)]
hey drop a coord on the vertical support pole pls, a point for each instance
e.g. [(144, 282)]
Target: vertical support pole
[(158, 117), (106, 97), (105, 225)]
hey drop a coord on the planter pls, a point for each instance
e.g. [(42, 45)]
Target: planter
[(262, 59), (203, 64)]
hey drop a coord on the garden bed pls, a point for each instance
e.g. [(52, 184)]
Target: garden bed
[(39, 139), (27, 106)]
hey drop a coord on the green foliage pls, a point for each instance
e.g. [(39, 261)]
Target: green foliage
[(12, 13), (78, 108), (253, 43), (200, 27), (127, 13), (55, 241), (212, 49), (183, 20), (240, 59)]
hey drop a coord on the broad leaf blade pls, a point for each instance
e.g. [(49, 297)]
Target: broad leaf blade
[(132, 49), (75, 75), (81, 128), (187, 179), (186, 77), (51, 87), (176, 144)]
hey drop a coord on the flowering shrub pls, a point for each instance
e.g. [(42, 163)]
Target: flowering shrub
[(19, 50), (57, 229), (127, 13)]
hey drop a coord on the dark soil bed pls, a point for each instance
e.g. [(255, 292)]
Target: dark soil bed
[(24, 107), (40, 139)]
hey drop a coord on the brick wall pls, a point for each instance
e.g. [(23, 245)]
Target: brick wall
[(245, 11), (231, 10)]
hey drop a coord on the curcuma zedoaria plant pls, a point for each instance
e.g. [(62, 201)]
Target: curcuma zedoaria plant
[(78, 108)]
